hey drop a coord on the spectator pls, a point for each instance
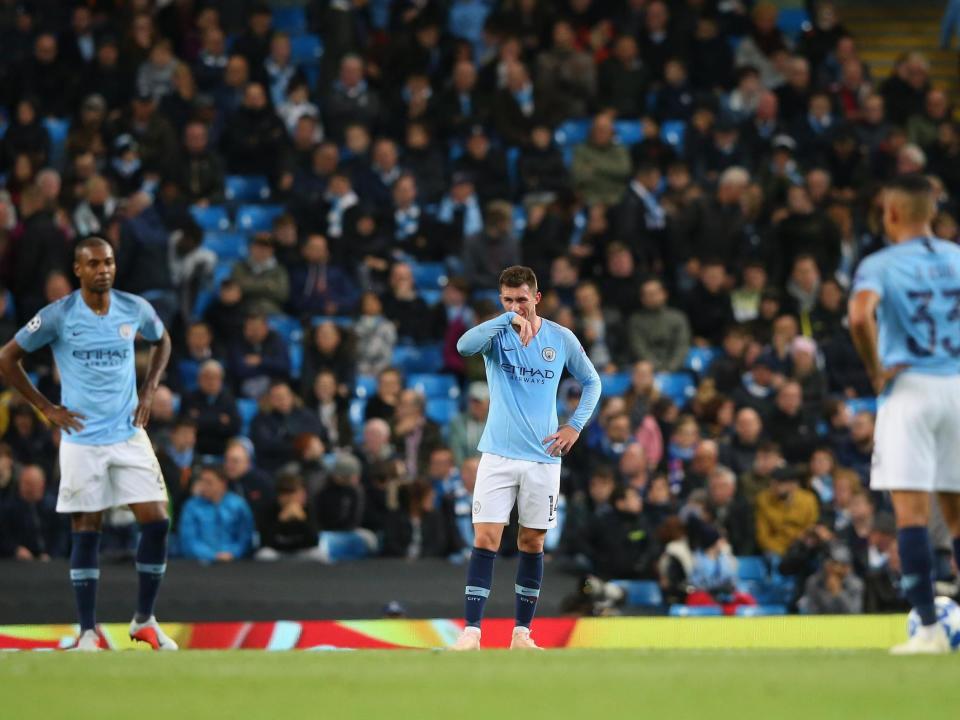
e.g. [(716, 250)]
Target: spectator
[(376, 336), (708, 304), (620, 544), (834, 590), (30, 528), (258, 358), (856, 452), (254, 43), (405, 308), (596, 326), (420, 529), (497, 247), (784, 512), (213, 409), (253, 137), (461, 106), (413, 434), (739, 452), (316, 286), (40, 250), (340, 505), (264, 283), (291, 530), (332, 409), (788, 424), (658, 333), (541, 167), (567, 74), (601, 167), (466, 428), (485, 165), (200, 173), (277, 425), (639, 221), (730, 513), (622, 79), (215, 525), (905, 90), (351, 99), (246, 480)]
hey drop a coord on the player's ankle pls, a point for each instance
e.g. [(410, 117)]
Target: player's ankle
[(521, 630), (472, 630)]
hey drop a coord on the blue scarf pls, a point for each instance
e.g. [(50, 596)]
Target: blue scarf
[(524, 98), (407, 222), (338, 206), (472, 217)]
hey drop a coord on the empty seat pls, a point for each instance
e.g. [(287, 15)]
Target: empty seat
[(248, 411), (413, 359), (431, 296), (358, 407), (672, 132), (306, 50), (864, 404), (441, 410), (246, 188), (57, 129), (434, 386), (428, 276), (760, 610), (793, 21), (288, 327), (695, 611), (489, 295), (187, 370), (614, 383), (291, 20), (365, 386), (679, 387), (572, 132), (700, 359), (227, 245), (212, 217), (641, 593), (257, 218), (628, 132), (752, 567), (341, 321)]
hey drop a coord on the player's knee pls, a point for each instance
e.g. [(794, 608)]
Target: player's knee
[(86, 522), (531, 541), (487, 539)]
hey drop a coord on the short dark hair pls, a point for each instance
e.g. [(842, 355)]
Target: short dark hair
[(89, 243), (517, 275), (911, 183)]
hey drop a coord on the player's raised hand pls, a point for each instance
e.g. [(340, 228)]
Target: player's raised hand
[(141, 416), (65, 419), (524, 327), (561, 441)]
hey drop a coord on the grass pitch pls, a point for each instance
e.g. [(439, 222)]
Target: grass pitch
[(250, 685)]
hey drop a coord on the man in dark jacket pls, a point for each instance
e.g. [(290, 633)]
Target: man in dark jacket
[(253, 137), (350, 100), (275, 428), (739, 452), (213, 409), (40, 250), (731, 513), (789, 426), (247, 480), (261, 356), (621, 544), (317, 287), (200, 173), (639, 221), (30, 528)]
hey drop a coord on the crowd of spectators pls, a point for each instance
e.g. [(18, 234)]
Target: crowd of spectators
[(686, 178)]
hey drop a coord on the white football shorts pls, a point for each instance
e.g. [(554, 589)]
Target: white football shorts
[(98, 477), (501, 482), (917, 436)]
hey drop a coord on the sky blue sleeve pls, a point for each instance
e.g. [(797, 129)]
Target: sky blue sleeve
[(869, 276), (583, 370), (42, 329), (149, 323), (477, 339)]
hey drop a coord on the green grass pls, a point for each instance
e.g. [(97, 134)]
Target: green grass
[(582, 684)]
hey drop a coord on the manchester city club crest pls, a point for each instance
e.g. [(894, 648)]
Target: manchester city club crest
[(549, 354), (34, 324), (126, 331), (476, 507)]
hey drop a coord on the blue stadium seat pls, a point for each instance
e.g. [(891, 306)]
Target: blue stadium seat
[(422, 359), (248, 411), (306, 50), (431, 296), (490, 295), (227, 245), (793, 21), (341, 321), (187, 370), (614, 384), (695, 611), (441, 410), (519, 219), (700, 359), (628, 132), (345, 545), (246, 188), (760, 610), (220, 273), (434, 386), (366, 386), (357, 408), (57, 129), (257, 218), (572, 132), (641, 593), (864, 404), (380, 13), (295, 351), (288, 327), (291, 20), (679, 387), (752, 567), (513, 167), (672, 132), (429, 275), (211, 218)]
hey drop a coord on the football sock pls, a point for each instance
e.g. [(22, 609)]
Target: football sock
[(84, 574), (956, 551), (479, 582), (529, 578), (915, 559), (151, 564)]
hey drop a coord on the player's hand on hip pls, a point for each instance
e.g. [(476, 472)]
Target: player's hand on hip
[(141, 416), (67, 420), (561, 441), (886, 376), (523, 327)]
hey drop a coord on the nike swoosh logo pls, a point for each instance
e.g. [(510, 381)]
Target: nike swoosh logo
[(75, 333), (509, 349)]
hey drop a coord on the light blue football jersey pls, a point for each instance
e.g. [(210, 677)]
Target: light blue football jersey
[(523, 385), (918, 282), (96, 360)]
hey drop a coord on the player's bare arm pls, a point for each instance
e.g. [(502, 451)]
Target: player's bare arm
[(11, 365), (863, 329), (159, 356)]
